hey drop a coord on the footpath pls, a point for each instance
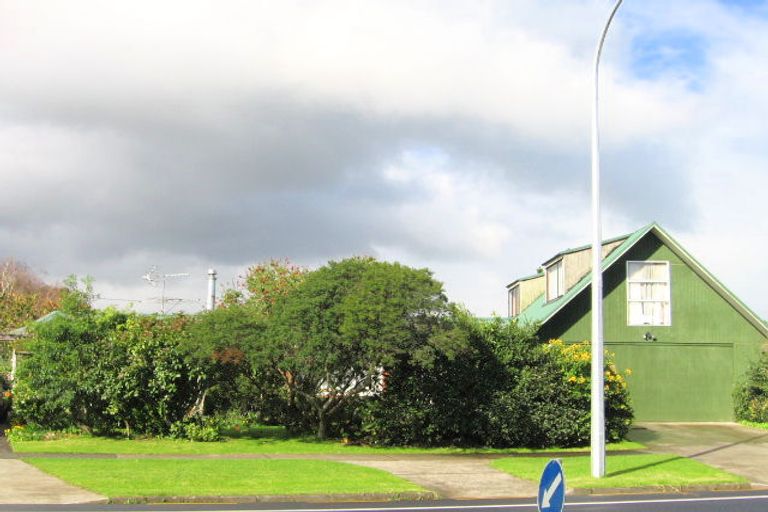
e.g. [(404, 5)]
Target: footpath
[(26, 485), (731, 447)]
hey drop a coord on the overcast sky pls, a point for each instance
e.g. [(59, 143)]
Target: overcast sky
[(452, 135)]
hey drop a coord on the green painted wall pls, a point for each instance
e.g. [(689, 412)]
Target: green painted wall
[(689, 372)]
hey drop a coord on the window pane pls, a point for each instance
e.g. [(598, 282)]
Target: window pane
[(648, 293), (514, 301), (554, 280)]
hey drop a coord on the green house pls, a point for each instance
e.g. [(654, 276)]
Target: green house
[(685, 337)]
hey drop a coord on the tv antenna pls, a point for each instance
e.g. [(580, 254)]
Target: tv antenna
[(155, 279)]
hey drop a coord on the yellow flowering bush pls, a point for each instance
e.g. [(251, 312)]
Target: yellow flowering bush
[(575, 361)]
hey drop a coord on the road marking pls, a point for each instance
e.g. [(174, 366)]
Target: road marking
[(551, 490), (517, 505)]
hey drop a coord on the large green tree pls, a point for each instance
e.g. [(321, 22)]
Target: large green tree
[(263, 285), (331, 339), (222, 342)]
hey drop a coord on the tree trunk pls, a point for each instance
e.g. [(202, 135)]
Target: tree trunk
[(321, 425)]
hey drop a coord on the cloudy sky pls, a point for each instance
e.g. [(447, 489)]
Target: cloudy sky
[(452, 135)]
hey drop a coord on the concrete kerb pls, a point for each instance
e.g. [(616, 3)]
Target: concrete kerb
[(283, 498)]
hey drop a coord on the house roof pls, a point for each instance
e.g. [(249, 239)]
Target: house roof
[(22, 331), (541, 311), (583, 248), (526, 278)]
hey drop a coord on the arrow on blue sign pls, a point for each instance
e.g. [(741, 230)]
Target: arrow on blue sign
[(551, 496)]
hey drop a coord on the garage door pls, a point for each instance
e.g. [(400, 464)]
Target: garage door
[(674, 382)]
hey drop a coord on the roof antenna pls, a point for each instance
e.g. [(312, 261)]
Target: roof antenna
[(153, 277)]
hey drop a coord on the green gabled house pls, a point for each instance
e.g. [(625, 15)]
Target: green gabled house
[(685, 337)]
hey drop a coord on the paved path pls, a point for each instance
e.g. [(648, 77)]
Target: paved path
[(456, 477), (25, 484), (735, 448)]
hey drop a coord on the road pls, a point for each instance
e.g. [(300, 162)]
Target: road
[(743, 501)]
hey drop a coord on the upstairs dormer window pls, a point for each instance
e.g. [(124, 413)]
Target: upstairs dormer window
[(555, 280), (514, 301), (648, 293)]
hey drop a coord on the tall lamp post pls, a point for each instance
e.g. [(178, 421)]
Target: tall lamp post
[(598, 396)]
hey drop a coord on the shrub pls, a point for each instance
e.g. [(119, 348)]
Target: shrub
[(148, 385), (436, 403), (751, 398), (58, 385), (196, 429), (35, 433), (106, 371), (549, 404), (502, 388)]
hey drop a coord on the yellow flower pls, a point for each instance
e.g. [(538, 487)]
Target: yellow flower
[(628, 371)]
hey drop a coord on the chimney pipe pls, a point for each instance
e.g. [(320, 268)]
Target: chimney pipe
[(211, 302)]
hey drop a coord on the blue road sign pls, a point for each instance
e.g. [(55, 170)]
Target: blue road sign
[(552, 488)]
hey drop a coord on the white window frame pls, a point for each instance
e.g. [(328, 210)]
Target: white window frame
[(560, 291), (514, 311), (667, 299)]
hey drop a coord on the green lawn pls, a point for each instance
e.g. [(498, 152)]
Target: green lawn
[(274, 444), (244, 477), (624, 471), (753, 424)]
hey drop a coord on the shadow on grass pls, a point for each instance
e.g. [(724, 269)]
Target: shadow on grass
[(257, 432), (645, 466), (266, 435)]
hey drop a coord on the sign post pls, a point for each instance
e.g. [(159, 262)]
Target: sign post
[(551, 497)]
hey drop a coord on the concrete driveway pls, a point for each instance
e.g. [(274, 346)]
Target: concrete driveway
[(729, 446)]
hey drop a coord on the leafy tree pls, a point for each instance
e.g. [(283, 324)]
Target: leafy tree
[(221, 342), (77, 295), (59, 384), (263, 285), (146, 382), (331, 338), (106, 370), (23, 295)]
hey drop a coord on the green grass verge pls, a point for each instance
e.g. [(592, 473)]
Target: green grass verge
[(754, 424), (260, 445), (163, 477), (624, 471)]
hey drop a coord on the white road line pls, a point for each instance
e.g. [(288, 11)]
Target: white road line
[(517, 505)]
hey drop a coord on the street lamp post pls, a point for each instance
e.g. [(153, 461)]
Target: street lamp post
[(598, 395)]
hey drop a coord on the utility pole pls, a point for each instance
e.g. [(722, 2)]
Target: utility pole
[(598, 395)]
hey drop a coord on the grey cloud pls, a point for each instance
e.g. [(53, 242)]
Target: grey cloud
[(272, 177)]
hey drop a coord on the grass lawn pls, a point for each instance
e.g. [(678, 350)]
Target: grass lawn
[(624, 471), (163, 477), (268, 444), (753, 424)]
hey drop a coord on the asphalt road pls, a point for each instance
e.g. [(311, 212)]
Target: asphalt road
[(744, 501)]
